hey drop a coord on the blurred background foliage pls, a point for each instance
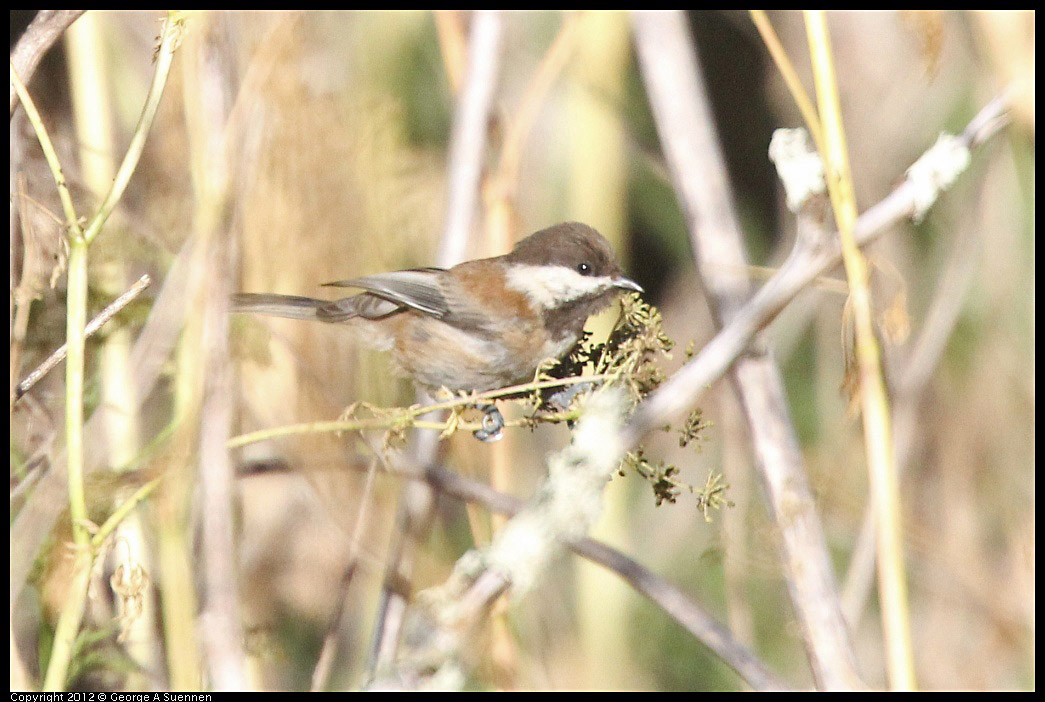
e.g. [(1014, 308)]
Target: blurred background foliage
[(340, 127)]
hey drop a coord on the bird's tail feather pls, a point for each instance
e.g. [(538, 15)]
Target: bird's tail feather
[(288, 306)]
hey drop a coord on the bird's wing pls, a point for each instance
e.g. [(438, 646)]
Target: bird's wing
[(418, 289)]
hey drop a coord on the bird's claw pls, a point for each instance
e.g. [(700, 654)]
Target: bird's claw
[(492, 424)]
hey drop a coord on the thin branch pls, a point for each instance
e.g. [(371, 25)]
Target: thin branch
[(76, 317), (325, 662), (677, 605), (789, 74), (873, 398), (501, 188), (122, 511), (521, 124), (173, 28), (413, 416), (94, 325), (915, 372), (72, 222)]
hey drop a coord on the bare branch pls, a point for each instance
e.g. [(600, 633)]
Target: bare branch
[(468, 139), (94, 325), (686, 127), (668, 597), (665, 51), (803, 267), (565, 507), (467, 144)]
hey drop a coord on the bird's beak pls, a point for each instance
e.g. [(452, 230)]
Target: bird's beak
[(627, 284)]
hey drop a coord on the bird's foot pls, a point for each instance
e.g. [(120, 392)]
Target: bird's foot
[(492, 424)]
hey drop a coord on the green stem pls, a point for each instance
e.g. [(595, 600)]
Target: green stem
[(172, 31), (408, 415), (76, 320)]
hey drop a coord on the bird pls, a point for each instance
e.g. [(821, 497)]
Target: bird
[(481, 325)]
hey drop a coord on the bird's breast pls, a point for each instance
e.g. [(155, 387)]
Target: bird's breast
[(436, 354)]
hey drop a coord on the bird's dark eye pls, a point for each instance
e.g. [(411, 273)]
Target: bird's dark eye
[(584, 268)]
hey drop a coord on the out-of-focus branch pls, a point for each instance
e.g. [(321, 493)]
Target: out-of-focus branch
[(151, 350), (39, 36), (690, 615), (450, 26), (909, 383), (680, 107), (669, 598), (221, 629), (565, 507), (204, 372), (325, 662), (467, 145), (933, 173), (468, 138), (501, 189)]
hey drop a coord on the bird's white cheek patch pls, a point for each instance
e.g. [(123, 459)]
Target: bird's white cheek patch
[(550, 286)]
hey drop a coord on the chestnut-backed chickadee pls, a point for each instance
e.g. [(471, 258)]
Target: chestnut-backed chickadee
[(482, 324)]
